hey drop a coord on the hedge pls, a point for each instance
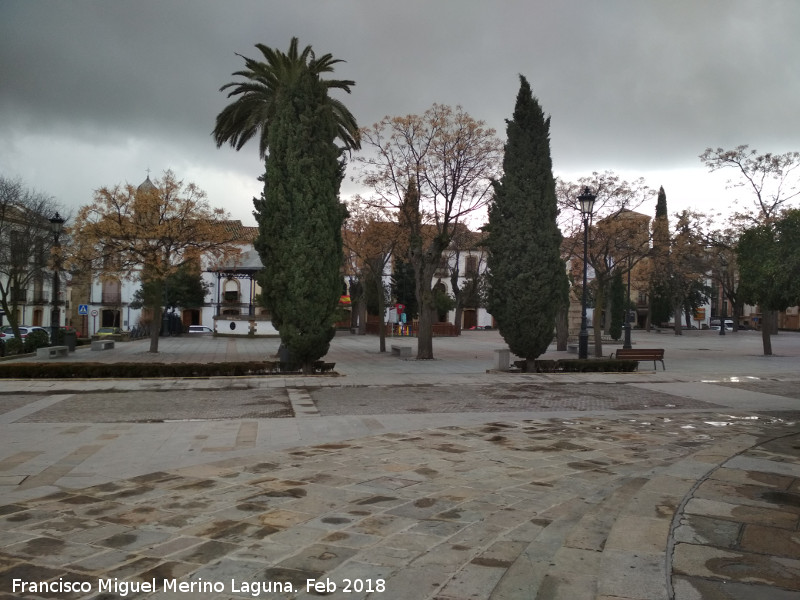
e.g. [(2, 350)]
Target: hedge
[(576, 365), (81, 370)]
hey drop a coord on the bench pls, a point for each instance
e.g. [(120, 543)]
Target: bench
[(100, 345), (654, 354), (52, 352), (401, 351)]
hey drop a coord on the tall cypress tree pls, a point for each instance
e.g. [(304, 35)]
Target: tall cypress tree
[(661, 305), (527, 276), (300, 220)]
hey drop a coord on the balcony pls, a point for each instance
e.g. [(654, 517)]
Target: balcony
[(111, 297)]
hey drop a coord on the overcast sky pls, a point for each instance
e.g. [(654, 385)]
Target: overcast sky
[(93, 93)]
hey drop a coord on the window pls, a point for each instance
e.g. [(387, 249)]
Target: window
[(112, 292), (471, 265)]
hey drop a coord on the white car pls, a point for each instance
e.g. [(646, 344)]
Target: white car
[(7, 333), (728, 325), (200, 330)]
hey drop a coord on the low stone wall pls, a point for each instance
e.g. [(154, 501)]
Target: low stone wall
[(244, 325)]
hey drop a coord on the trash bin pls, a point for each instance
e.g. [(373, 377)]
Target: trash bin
[(70, 340)]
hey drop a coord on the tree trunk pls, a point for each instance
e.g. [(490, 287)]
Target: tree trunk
[(382, 313), (423, 276), (155, 328), (362, 317), (425, 328), (766, 329), (562, 328), (457, 318), (677, 315)]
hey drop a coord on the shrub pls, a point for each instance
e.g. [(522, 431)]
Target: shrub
[(36, 339), (14, 346)]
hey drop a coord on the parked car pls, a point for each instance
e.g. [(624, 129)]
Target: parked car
[(7, 333), (200, 330), (108, 331)]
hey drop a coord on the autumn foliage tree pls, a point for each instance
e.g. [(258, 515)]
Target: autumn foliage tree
[(148, 234), (433, 171), (371, 239)]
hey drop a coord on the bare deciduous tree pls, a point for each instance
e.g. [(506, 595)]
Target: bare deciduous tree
[(434, 172)]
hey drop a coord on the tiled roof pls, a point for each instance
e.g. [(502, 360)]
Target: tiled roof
[(242, 233)]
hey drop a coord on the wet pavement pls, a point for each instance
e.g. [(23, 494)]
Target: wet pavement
[(408, 479)]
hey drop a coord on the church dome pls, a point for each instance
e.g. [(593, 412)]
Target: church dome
[(146, 186)]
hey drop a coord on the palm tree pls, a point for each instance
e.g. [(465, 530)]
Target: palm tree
[(254, 109)]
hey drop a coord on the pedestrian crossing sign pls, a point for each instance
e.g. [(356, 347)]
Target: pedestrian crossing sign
[(83, 309)]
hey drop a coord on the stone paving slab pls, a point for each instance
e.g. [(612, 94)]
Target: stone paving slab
[(160, 406), (743, 527), (644, 485), (537, 508), (512, 397)]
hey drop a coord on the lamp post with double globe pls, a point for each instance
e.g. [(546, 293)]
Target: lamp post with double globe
[(586, 200)]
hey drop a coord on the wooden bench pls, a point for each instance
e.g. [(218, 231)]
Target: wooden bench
[(401, 351), (654, 354), (52, 352), (99, 345)]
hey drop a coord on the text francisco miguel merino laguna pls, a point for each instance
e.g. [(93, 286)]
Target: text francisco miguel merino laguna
[(252, 588)]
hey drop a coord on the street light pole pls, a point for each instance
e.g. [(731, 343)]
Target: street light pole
[(56, 223), (586, 200), (722, 301)]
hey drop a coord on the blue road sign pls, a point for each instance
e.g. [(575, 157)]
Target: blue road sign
[(83, 309)]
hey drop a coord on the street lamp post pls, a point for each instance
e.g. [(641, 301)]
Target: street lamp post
[(586, 200), (722, 301), (56, 223)]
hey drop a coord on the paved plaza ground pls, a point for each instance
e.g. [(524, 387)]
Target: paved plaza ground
[(408, 479)]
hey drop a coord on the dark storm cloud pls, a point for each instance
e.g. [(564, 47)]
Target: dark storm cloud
[(92, 93)]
